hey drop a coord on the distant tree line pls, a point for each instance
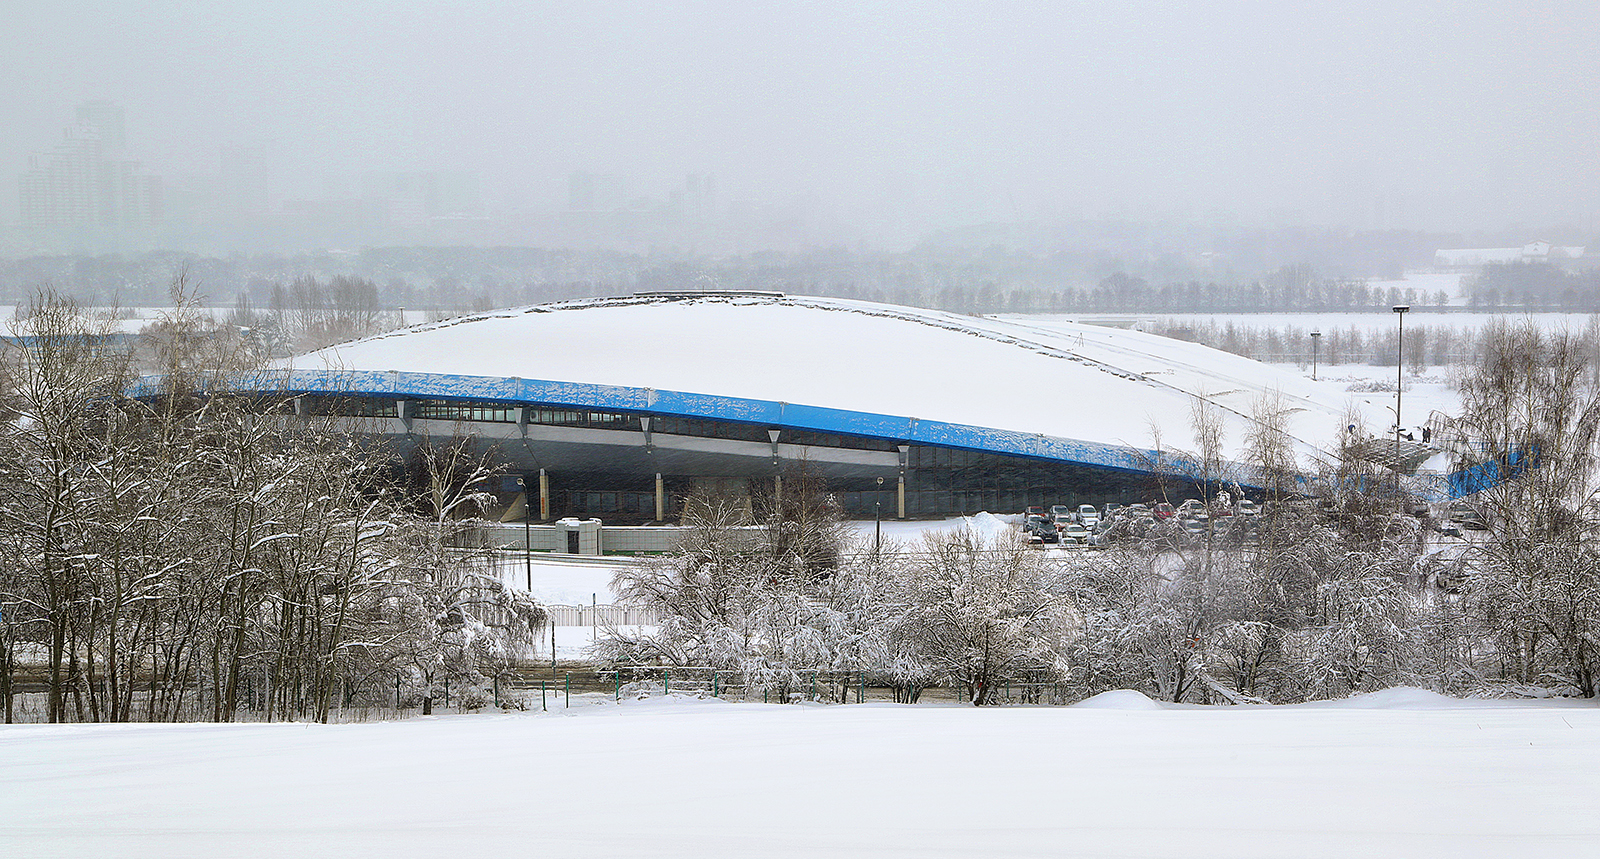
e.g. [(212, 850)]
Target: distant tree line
[(1534, 286), (969, 280), (1426, 344)]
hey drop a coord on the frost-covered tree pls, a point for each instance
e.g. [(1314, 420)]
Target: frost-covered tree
[(769, 599), (185, 553), (978, 612), (1530, 426)]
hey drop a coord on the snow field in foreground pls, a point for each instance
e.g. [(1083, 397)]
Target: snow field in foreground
[(1402, 773)]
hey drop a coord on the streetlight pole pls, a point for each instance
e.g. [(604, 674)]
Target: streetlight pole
[(877, 521), (1399, 367), (1315, 337), (527, 543)]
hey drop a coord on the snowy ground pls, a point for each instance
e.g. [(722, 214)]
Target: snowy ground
[(1400, 773), (560, 579), (1432, 391)]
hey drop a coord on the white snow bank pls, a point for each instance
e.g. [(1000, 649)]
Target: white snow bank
[(675, 776), (1119, 699), (987, 526), (1409, 698)]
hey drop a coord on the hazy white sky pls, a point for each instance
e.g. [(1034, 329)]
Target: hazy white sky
[(1434, 115)]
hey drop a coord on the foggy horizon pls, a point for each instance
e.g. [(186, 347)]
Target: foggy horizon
[(874, 122)]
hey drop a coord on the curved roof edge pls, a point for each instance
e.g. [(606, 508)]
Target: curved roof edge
[(513, 390), (518, 391)]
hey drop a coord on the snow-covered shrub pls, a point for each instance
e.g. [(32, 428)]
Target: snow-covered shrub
[(978, 612)]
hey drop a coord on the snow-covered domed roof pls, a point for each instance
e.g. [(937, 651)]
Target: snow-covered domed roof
[(1067, 392)]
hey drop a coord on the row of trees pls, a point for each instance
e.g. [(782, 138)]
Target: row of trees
[(1331, 595), (1534, 286), (181, 554), (1425, 345), (1298, 615), (1291, 288), (999, 273)]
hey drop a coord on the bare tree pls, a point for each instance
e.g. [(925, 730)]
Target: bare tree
[(1526, 441)]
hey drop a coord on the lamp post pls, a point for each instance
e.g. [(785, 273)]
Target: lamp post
[(1399, 367), (527, 543), (1315, 336), (877, 520)]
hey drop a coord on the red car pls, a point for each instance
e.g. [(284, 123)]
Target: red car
[(1163, 510)]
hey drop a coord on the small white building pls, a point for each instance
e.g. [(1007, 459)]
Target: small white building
[(1535, 251)]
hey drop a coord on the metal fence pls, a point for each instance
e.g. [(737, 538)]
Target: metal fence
[(601, 615)]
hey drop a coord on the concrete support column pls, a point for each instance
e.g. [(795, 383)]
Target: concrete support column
[(900, 490), (661, 498), (544, 496), (777, 491)]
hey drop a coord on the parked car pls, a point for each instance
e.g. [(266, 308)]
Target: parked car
[(1192, 507), (1248, 507), (1073, 532), (1163, 510), (1034, 511), (1088, 516), (1110, 511), (1467, 516), (1061, 514), (1037, 528)]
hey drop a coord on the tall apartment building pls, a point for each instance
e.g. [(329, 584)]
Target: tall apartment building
[(83, 182)]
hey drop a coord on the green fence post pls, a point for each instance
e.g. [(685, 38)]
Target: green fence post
[(666, 681), (714, 691), (497, 690), (617, 679), (569, 689), (861, 694), (543, 704)]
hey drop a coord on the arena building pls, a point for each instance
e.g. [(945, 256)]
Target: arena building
[(615, 408)]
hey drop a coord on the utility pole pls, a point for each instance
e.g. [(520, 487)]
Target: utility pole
[(877, 522), (527, 541), (1399, 369)]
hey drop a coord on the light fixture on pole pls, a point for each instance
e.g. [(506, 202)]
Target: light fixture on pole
[(1399, 366), (1315, 336), (527, 543)]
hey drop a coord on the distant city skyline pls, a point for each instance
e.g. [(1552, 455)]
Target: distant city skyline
[(878, 121), (85, 194)]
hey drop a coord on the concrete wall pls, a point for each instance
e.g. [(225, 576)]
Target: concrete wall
[(594, 537)]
